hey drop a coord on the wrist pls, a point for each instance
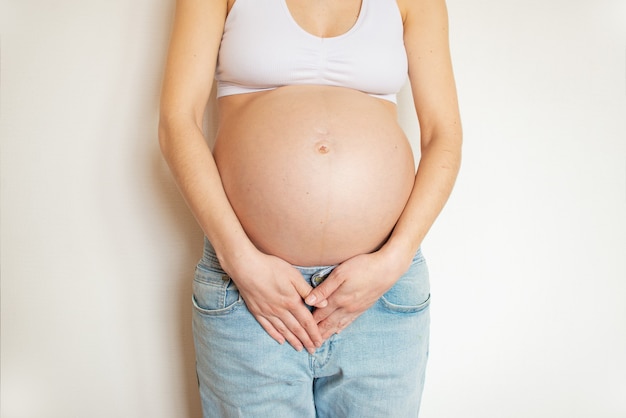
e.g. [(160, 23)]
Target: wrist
[(236, 259), (398, 254)]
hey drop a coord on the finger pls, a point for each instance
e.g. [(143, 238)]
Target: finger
[(290, 336), (309, 325), (271, 330), (301, 323), (335, 324), (318, 296), (281, 333), (328, 329), (321, 314)]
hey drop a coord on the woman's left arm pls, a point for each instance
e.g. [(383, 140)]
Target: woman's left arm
[(356, 284)]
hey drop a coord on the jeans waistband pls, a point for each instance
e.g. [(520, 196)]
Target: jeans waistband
[(314, 275)]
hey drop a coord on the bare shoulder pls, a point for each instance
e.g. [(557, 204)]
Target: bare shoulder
[(422, 10), (190, 11), (426, 35)]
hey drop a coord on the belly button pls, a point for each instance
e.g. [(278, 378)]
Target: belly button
[(322, 147)]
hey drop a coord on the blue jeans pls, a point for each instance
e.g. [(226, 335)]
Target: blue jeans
[(374, 368)]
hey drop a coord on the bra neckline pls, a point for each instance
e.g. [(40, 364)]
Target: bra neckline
[(352, 29)]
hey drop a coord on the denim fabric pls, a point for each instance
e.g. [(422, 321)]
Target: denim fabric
[(374, 368)]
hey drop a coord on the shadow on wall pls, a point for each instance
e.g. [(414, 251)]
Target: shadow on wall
[(187, 242), (185, 250), (149, 235), (154, 242)]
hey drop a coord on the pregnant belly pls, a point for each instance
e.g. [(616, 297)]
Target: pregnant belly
[(316, 175)]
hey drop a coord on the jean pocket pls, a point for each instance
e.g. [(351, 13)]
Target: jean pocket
[(411, 293), (214, 293)]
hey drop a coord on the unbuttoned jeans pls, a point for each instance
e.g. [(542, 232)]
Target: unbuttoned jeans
[(374, 368)]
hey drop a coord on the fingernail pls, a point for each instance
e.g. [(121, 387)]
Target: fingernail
[(310, 300), (311, 351)]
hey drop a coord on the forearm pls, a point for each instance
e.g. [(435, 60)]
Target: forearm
[(195, 172), (438, 168)]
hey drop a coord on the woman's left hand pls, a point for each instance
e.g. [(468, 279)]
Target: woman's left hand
[(351, 288)]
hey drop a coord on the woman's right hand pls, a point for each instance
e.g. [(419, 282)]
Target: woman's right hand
[(274, 293)]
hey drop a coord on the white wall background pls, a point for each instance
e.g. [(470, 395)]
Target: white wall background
[(528, 260)]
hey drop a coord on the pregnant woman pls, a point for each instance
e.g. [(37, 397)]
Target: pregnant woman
[(311, 205)]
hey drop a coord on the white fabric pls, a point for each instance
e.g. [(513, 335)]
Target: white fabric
[(263, 48)]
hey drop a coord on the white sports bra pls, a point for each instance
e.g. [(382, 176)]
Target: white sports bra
[(264, 48)]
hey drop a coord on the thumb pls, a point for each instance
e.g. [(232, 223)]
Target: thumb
[(302, 287), (318, 296)]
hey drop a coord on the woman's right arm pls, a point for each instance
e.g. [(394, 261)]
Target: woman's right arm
[(187, 83)]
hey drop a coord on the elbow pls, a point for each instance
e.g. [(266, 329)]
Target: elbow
[(163, 135), (177, 132), (445, 147), (166, 134), (450, 142)]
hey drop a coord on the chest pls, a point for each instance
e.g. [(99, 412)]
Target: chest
[(271, 43), (325, 18)]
